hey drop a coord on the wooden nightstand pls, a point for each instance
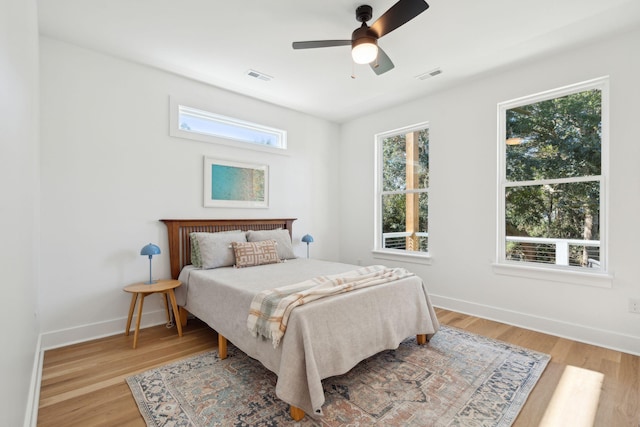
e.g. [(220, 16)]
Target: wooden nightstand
[(165, 287)]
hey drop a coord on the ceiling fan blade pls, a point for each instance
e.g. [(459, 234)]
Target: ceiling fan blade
[(320, 43), (398, 14), (382, 64)]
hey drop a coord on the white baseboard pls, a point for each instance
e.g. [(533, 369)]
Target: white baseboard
[(589, 335), (63, 337), (33, 398)]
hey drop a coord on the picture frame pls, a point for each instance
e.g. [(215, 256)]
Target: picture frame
[(231, 184)]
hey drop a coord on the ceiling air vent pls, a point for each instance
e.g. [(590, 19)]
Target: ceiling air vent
[(258, 75), (429, 74)]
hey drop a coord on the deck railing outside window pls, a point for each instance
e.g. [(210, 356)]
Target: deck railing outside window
[(570, 252), (398, 240)]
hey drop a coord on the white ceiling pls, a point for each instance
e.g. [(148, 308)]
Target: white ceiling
[(217, 42)]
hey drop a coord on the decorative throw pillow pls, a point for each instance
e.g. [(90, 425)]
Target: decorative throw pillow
[(213, 250), (250, 254), (196, 258), (281, 236)]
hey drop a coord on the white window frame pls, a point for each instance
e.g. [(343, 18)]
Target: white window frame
[(177, 107), (379, 251), (601, 277)]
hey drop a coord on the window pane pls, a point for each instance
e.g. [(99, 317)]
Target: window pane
[(404, 228), (225, 130), (394, 159), (556, 138), (203, 122), (556, 224)]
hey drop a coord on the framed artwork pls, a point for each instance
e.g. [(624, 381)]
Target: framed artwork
[(230, 184)]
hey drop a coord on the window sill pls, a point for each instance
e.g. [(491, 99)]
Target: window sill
[(416, 258), (601, 280)]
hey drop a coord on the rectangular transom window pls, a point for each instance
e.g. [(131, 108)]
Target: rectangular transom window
[(552, 178), (402, 190), (193, 123)]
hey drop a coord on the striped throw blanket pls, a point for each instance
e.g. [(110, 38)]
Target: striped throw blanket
[(270, 309)]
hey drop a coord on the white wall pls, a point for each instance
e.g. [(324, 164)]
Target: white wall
[(462, 234), (110, 171), (18, 208)]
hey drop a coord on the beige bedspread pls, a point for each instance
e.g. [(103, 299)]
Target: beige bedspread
[(270, 309), (324, 338)]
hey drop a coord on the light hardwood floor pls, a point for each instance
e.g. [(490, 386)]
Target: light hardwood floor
[(83, 384)]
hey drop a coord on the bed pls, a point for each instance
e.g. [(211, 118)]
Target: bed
[(325, 338)]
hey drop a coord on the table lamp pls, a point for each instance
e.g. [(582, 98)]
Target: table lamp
[(307, 238), (150, 250)]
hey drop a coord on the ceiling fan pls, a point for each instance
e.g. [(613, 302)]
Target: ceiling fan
[(364, 40)]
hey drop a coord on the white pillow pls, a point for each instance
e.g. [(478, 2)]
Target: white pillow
[(281, 236), (213, 250)]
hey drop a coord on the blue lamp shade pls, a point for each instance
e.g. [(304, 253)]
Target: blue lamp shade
[(307, 238), (150, 250)]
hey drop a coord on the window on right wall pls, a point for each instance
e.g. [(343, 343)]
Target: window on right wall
[(552, 180)]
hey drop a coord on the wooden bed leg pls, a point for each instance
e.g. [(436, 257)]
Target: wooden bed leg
[(222, 346), (422, 339), (296, 413), (183, 313)]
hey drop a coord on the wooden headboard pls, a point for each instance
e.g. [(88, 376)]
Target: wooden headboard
[(179, 229)]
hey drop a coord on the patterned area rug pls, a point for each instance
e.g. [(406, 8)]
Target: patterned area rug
[(456, 379)]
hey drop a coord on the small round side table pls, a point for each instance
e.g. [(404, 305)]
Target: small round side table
[(165, 287)]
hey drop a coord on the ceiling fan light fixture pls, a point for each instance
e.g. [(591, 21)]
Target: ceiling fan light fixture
[(364, 50), (364, 40)]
